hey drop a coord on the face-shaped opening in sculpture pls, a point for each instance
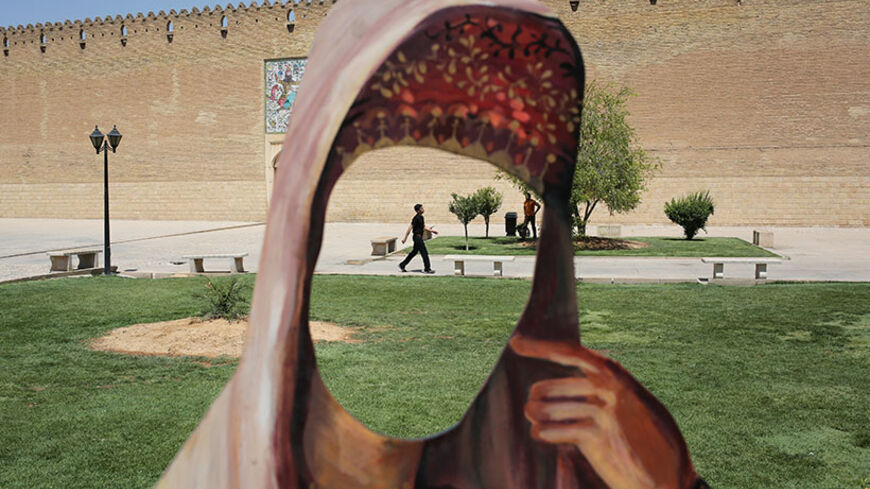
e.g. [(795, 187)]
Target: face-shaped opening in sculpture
[(491, 85), (414, 338)]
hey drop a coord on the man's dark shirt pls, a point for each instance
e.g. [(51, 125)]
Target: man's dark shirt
[(417, 224)]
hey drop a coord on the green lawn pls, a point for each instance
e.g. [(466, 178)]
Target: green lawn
[(658, 246), (768, 383)]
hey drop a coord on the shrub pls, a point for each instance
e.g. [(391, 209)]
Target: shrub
[(224, 299), (690, 212)]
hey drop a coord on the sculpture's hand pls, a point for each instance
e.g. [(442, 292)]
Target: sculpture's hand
[(623, 431)]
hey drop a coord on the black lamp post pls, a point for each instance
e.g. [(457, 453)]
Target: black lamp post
[(104, 144)]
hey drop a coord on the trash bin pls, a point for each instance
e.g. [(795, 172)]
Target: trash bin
[(510, 224)]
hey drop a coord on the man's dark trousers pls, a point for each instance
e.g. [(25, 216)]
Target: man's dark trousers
[(419, 247), (531, 220)]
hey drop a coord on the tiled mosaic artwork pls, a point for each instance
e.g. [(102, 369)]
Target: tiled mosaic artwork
[(282, 81)]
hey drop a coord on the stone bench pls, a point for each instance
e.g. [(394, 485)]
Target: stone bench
[(497, 263), (763, 239), (760, 265), (384, 245), (61, 261), (609, 231), (236, 261)]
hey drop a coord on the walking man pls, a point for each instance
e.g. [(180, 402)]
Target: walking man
[(417, 226), (530, 208)]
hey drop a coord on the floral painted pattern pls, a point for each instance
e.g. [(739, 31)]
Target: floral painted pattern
[(487, 85)]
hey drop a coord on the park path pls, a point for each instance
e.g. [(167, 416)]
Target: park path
[(813, 254)]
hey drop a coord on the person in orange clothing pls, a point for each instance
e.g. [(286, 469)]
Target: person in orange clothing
[(530, 209)]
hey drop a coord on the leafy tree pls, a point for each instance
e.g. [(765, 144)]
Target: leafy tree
[(690, 212), (611, 167), (488, 202), (465, 209)]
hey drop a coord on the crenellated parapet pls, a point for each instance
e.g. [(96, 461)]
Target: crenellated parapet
[(31, 32), (124, 29), (222, 20)]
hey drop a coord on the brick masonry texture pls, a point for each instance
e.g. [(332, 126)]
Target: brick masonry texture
[(765, 103)]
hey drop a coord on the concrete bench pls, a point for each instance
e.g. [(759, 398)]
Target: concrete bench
[(61, 261), (762, 238), (384, 245), (497, 261), (760, 265), (609, 230), (236, 261)]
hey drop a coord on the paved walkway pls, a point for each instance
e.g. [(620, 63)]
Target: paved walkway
[(157, 246)]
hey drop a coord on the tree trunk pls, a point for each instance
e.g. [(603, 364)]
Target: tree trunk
[(486, 220), (575, 219), (581, 225), (466, 236)]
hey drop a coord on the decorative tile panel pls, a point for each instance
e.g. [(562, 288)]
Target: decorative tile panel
[(282, 81)]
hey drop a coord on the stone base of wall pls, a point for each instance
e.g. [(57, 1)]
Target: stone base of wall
[(208, 201), (384, 186)]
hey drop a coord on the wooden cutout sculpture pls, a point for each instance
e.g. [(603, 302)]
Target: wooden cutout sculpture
[(497, 81)]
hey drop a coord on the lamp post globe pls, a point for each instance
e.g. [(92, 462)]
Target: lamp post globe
[(96, 139), (114, 138)]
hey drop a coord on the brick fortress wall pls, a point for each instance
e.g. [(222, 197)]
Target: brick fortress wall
[(191, 111), (764, 103)]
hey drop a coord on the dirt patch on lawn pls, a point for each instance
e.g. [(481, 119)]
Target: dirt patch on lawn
[(199, 338), (595, 243)]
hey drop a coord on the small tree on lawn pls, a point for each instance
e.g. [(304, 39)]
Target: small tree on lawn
[(465, 209), (611, 167), (488, 202)]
